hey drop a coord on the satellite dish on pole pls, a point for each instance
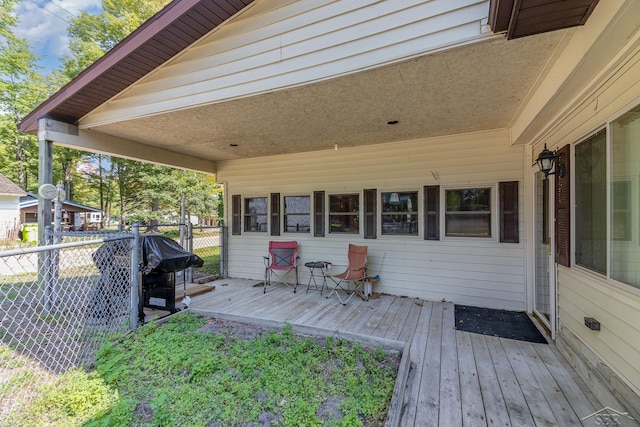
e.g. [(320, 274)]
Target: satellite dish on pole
[(48, 191)]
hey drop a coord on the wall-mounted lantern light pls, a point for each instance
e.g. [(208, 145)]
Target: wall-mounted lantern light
[(546, 160)]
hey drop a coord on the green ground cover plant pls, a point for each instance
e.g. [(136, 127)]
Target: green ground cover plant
[(196, 371)]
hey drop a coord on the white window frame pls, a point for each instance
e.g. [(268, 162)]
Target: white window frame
[(493, 186)]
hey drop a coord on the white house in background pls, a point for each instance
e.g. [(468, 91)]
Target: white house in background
[(410, 127), (10, 195)]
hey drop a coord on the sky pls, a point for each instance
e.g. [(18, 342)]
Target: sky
[(43, 23)]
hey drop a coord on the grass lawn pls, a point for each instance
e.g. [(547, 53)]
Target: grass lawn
[(195, 371), (211, 257)]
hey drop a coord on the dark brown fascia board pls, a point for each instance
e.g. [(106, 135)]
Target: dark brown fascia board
[(500, 12), (145, 33)]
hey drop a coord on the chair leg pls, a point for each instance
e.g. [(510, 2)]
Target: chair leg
[(338, 285), (264, 291)]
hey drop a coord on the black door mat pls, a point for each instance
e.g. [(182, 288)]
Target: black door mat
[(500, 323)]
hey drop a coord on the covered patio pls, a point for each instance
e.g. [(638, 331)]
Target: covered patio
[(412, 128), (455, 377)]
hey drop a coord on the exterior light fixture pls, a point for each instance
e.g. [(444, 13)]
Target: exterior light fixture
[(546, 160)]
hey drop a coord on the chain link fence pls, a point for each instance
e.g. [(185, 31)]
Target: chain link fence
[(208, 244), (58, 304)]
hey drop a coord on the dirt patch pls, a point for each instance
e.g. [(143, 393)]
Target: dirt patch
[(243, 331)]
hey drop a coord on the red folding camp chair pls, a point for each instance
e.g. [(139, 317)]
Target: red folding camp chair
[(283, 257)]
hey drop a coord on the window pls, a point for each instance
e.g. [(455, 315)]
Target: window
[(621, 218), (468, 212), (344, 213), (297, 214), (400, 213), (625, 196), (255, 214), (591, 208)]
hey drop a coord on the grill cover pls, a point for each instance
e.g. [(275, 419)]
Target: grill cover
[(165, 255)]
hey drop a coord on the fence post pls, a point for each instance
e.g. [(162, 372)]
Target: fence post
[(135, 287), (189, 273), (223, 251), (45, 274)]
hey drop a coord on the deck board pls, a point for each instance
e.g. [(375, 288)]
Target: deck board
[(450, 398), (533, 395), (455, 378), (416, 352), (429, 391), (472, 407)]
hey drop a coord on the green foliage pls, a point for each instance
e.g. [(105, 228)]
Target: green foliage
[(69, 400), (133, 190), (22, 87), (176, 374), (91, 36)]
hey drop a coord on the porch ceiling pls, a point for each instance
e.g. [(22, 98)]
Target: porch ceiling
[(472, 88)]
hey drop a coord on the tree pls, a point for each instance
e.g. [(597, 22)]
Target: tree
[(22, 87), (199, 194), (91, 36)]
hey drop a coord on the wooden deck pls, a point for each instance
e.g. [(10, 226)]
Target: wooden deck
[(456, 378)]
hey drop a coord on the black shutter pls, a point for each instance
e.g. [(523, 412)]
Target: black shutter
[(318, 213), (563, 207), (275, 214), (370, 231), (431, 212), (509, 221), (236, 214)]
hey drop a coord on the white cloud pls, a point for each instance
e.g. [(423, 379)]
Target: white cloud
[(44, 24)]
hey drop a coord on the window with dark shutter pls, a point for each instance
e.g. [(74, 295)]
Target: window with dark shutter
[(563, 208), (236, 215), (370, 231), (275, 214), (432, 212), (509, 229), (318, 213)]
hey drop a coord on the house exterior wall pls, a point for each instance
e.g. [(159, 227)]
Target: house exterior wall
[(277, 44), (473, 271), (9, 208), (9, 217), (611, 353)]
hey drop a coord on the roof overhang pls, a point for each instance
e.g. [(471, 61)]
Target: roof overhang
[(472, 87), (160, 38)]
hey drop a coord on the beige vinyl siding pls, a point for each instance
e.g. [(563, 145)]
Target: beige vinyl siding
[(581, 293), (277, 44), (472, 271)]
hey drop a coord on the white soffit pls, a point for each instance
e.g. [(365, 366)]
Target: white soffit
[(467, 89)]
